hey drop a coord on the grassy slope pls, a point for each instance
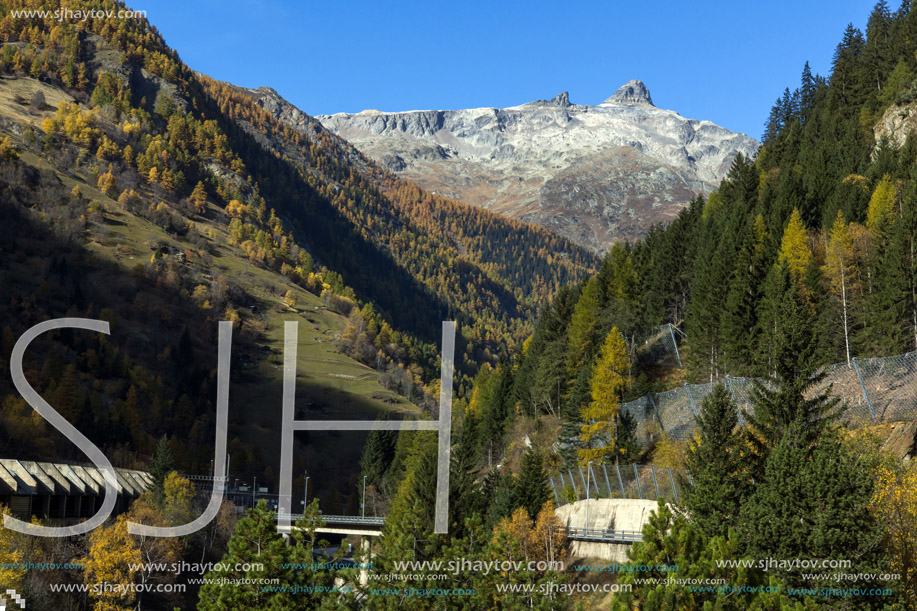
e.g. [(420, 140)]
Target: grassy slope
[(329, 384)]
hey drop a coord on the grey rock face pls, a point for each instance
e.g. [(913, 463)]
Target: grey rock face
[(592, 173), (630, 93), (561, 100)]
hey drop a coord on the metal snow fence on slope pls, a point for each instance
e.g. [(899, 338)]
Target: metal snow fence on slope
[(618, 482), (873, 390), (658, 345)]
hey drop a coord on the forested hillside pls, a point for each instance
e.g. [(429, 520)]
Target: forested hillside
[(813, 243), (803, 257), (113, 144), (296, 199)]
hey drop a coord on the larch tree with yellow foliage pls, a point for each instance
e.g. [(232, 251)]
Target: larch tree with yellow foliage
[(177, 495), (794, 247), (610, 377), (7, 150), (153, 550), (520, 538), (882, 206), (840, 268), (112, 559), (894, 501), (541, 538), (106, 183), (198, 198), (11, 575)]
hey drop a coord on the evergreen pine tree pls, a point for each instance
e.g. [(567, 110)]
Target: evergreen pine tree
[(549, 384), (163, 464), (789, 395), (847, 82), (739, 322), (888, 328), (627, 447), (772, 125), (67, 395), (377, 455), (580, 394), (497, 491), (465, 498), (812, 502), (713, 267), (257, 551), (531, 490), (715, 464), (669, 541), (622, 286), (582, 326), (877, 59), (498, 413), (807, 90), (332, 504)]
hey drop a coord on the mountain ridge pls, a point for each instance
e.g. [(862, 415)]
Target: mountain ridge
[(592, 173)]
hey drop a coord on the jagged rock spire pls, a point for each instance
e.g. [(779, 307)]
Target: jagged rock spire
[(630, 94)]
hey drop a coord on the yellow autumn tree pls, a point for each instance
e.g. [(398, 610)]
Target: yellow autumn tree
[(201, 296), (881, 205), (106, 182), (895, 503), (177, 495), (840, 268), (794, 247), (610, 376), (235, 209), (7, 150), (155, 551), (198, 198), (107, 149), (10, 556), (549, 540), (669, 452), (712, 204), (541, 539), (111, 559), (513, 535), (483, 389)]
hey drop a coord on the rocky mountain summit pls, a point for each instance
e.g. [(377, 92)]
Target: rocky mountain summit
[(591, 173), (631, 93)]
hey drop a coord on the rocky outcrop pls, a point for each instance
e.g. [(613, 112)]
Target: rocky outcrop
[(281, 109), (561, 100), (631, 93), (592, 173), (896, 124)]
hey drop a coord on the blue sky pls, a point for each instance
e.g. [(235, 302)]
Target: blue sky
[(722, 61)]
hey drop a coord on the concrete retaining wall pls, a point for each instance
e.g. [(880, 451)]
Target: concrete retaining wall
[(605, 514)]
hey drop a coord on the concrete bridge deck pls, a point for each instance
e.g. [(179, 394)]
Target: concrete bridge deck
[(370, 526)]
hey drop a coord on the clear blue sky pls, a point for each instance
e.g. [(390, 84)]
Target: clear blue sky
[(724, 61)]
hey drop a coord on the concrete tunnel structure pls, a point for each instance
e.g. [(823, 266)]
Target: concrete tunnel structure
[(62, 491)]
